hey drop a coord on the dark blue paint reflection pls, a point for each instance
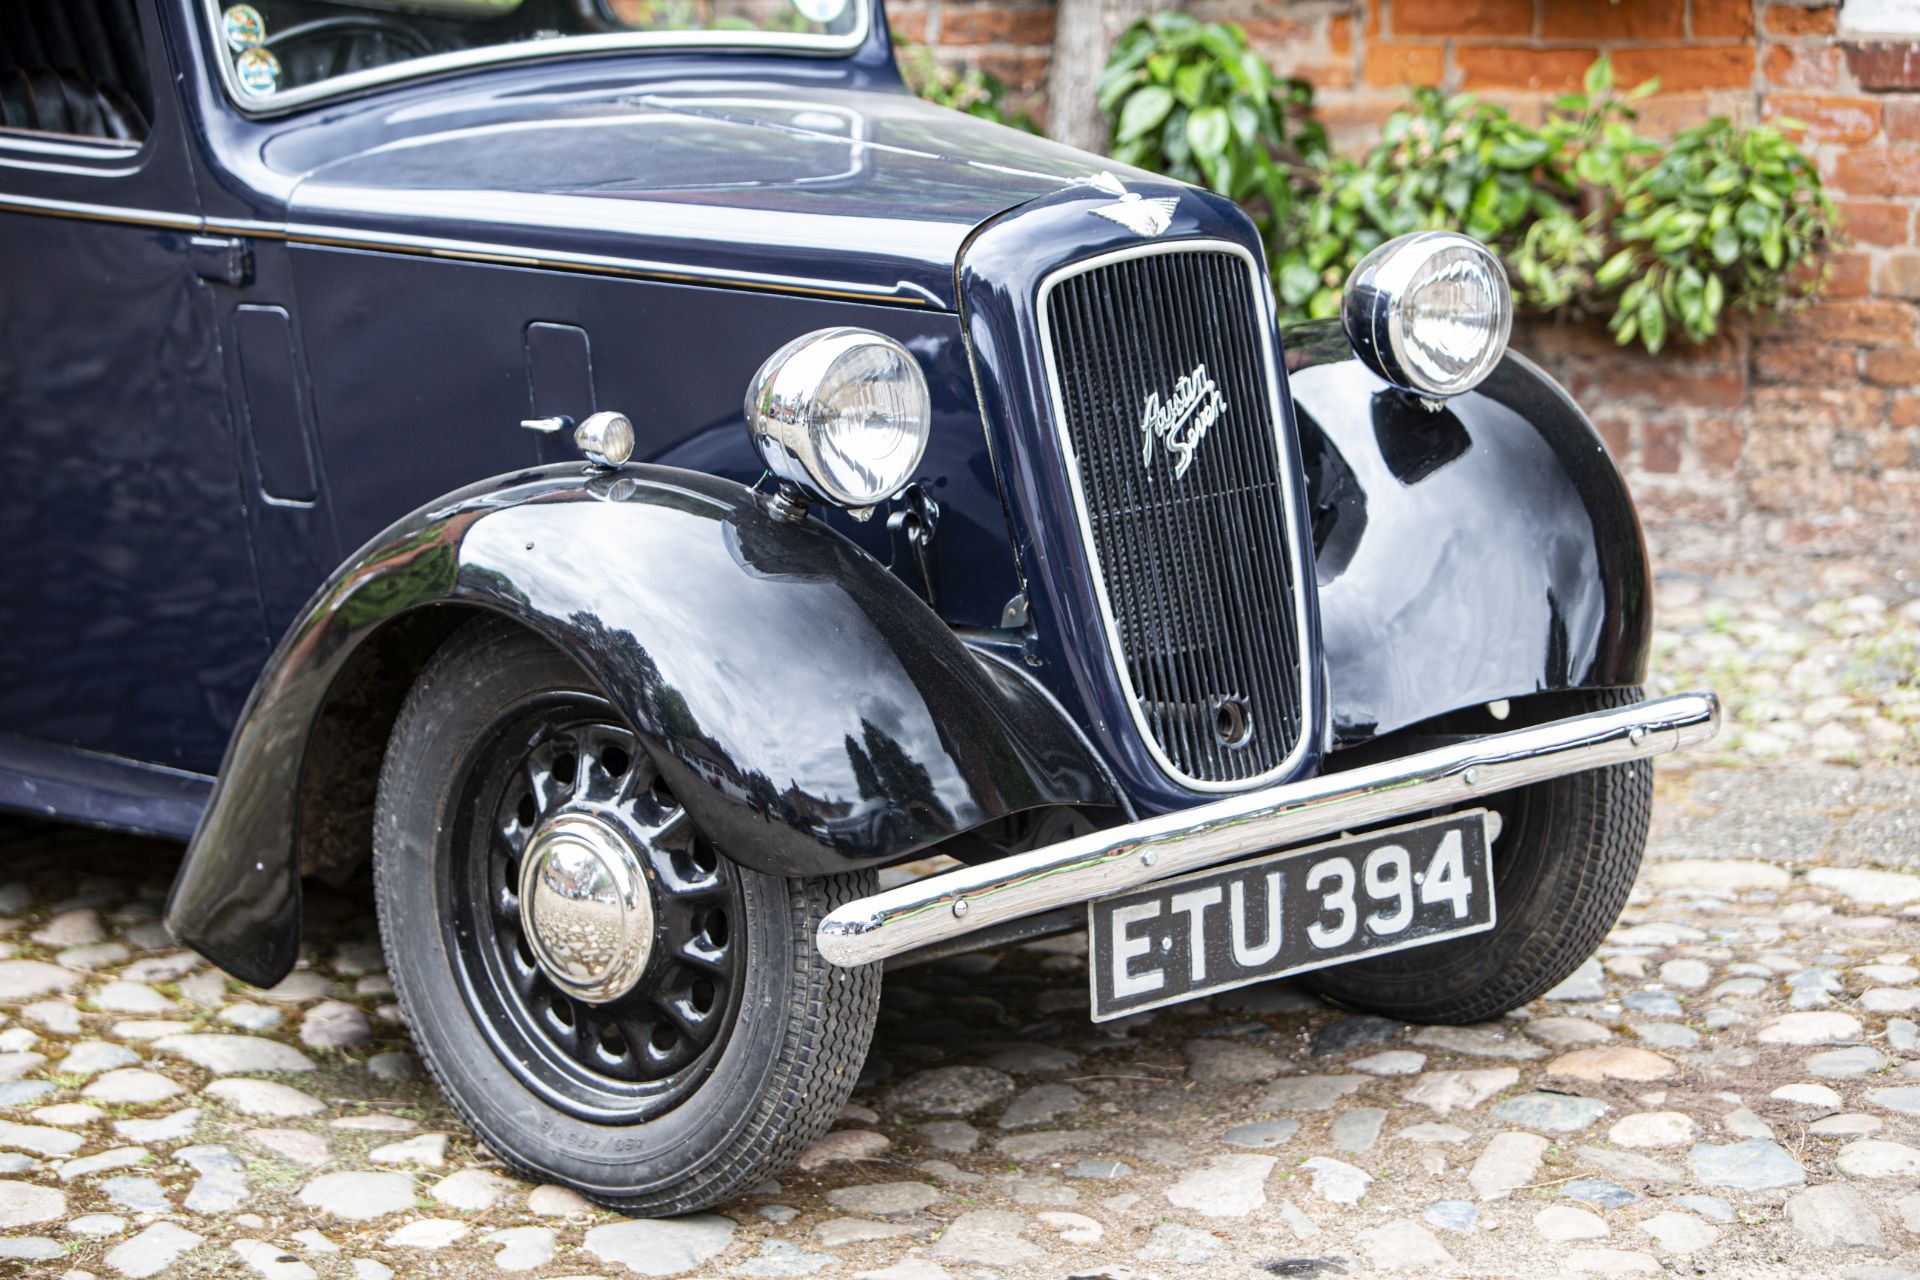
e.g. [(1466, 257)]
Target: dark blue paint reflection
[(127, 599), (1484, 550), (810, 711)]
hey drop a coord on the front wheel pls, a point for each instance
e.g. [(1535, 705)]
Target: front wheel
[(1563, 865), (608, 1000)]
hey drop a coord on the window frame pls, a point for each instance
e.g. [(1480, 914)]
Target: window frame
[(47, 151), (526, 51)]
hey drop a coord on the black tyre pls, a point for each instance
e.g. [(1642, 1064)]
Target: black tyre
[(734, 1047), (1563, 865)]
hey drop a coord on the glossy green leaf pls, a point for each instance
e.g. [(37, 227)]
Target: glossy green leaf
[(1518, 152), (1190, 83), (1255, 74), (1615, 269), (1599, 77), (1298, 283), (1223, 171), (1713, 297), (1144, 111), (1652, 316), (1725, 246), (1113, 89), (1246, 124), (1222, 42), (1208, 132), (1753, 219)]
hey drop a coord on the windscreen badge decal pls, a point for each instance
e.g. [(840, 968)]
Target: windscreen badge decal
[(1180, 422), (1134, 211)]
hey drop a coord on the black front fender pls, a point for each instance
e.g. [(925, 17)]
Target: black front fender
[(811, 712), (1480, 549)]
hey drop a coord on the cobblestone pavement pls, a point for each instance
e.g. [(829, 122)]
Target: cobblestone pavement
[(1732, 1088)]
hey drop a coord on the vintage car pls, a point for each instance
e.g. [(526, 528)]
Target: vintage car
[(759, 478)]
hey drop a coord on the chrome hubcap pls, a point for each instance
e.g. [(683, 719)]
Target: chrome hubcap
[(585, 908)]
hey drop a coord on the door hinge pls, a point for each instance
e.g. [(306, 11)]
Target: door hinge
[(222, 260)]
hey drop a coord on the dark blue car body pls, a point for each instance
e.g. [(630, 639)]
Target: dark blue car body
[(261, 384)]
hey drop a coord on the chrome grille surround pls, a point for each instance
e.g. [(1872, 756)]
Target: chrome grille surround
[(1264, 670)]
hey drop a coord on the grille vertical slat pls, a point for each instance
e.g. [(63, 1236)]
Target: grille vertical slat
[(1154, 676), (1225, 550), (1126, 488), (1206, 550), (1195, 570), (1180, 622), (1264, 554)]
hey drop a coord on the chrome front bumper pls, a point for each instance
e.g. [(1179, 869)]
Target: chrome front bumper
[(967, 900)]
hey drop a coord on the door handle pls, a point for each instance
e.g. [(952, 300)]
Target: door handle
[(222, 260)]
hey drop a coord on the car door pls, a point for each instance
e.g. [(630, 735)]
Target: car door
[(129, 607)]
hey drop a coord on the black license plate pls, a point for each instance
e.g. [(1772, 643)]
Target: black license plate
[(1289, 912)]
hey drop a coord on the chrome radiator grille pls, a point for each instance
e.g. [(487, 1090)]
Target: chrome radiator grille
[(1162, 397)]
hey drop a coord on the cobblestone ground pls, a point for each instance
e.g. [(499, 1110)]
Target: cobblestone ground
[(1732, 1087)]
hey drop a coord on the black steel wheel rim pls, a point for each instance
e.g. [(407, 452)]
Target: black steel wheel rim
[(639, 1055)]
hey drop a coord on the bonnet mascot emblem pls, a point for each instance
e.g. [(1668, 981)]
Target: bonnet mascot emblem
[(1134, 211)]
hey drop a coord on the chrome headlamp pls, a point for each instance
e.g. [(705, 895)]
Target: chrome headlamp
[(1430, 312), (841, 414)]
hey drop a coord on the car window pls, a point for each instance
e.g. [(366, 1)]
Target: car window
[(74, 67), (281, 51)]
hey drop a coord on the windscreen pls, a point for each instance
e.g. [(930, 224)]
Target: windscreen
[(284, 51)]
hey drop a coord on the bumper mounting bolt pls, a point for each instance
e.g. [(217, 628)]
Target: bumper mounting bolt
[(1148, 858), (960, 906), (1470, 777)]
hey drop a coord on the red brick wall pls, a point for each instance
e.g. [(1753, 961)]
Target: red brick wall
[(1012, 39), (1802, 434)]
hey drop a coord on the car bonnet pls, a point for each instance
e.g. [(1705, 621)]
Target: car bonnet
[(862, 193)]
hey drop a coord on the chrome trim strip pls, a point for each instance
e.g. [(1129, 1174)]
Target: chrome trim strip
[(79, 170), (86, 146), (42, 152), (901, 294), (433, 246), (973, 898), (100, 212), (521, 51), (1290, 496)]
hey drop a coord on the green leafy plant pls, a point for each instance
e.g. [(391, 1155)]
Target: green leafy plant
[(1592, 149), (1595, 129), (1443, 163), (1553, 266), (1590, 216), (1726, 216), (976, 92), (1195, 101)]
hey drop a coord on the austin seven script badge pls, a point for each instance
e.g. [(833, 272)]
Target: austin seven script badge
[(1180, 421)]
